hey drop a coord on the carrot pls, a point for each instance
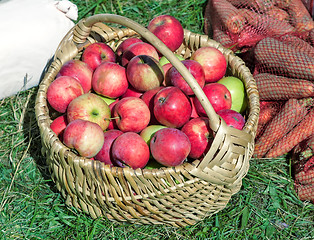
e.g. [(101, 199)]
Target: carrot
[(291, 113), (302, 131), (229, 15), (268, 109), (266, 24), (305, 192), (278, 13), (300, 16), (249, 37), (298, 43), (282, 3), (256, 5), (311, 37), (305, 177), (278, 58), (273, 87)]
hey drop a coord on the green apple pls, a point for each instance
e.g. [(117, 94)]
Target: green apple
[(163, 60), (148, 132), (108, 100), (237, 91)]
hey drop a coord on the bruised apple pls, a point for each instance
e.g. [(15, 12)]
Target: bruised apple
[(144, 73), (139, 48)]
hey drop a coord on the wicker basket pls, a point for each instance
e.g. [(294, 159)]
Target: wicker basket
[(176, 196)]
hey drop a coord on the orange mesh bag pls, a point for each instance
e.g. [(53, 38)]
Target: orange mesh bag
[(245, 22), (303, 166)]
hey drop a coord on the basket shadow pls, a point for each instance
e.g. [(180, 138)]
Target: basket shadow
[(32, 135)]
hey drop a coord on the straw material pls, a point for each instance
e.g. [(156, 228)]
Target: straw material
[(175, 196)]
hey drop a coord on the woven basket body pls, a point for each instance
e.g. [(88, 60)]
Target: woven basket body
[(176, 196)]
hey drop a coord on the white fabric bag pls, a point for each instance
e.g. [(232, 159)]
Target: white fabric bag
[(30, 31)]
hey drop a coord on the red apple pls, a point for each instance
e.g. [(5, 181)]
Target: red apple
[(166, 69), (112, 124), (131, 114), (218, 95), (86, 137), (144, 73), (170, 147), (194, 113), (125, 44), (91, 107), (132, 92), (140, 48), (172, 107), (58, 125), (97, 53), (200, 136), (80, 71), (104, 155), (129, 149), (213, 62), (168, 29), (148, 98), (232, 118), (62, 91), (109, 80), (176, 79)]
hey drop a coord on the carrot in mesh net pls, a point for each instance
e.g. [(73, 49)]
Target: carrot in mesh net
[(229, 15), (291, 113), (273, 87), (311, 37), (278, 13), (266, 24), (257, 5), (282, 3), (300, 132), (305, 177), (268, 109), (278, 58), (298, 43), (305, 192), (300, 16)]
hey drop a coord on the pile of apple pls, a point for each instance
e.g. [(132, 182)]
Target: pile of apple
[(131, 107)]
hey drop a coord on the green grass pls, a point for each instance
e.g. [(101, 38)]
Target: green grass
[(30, 207)]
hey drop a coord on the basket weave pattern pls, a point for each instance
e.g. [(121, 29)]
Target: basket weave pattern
[(177, 196)]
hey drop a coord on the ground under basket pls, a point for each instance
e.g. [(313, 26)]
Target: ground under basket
[(176, 196)]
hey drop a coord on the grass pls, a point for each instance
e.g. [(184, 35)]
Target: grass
[(30, 207)]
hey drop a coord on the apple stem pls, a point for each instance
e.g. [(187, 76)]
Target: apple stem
[(112, 118)]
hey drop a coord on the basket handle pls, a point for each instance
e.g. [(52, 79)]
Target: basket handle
[(214, 120)]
